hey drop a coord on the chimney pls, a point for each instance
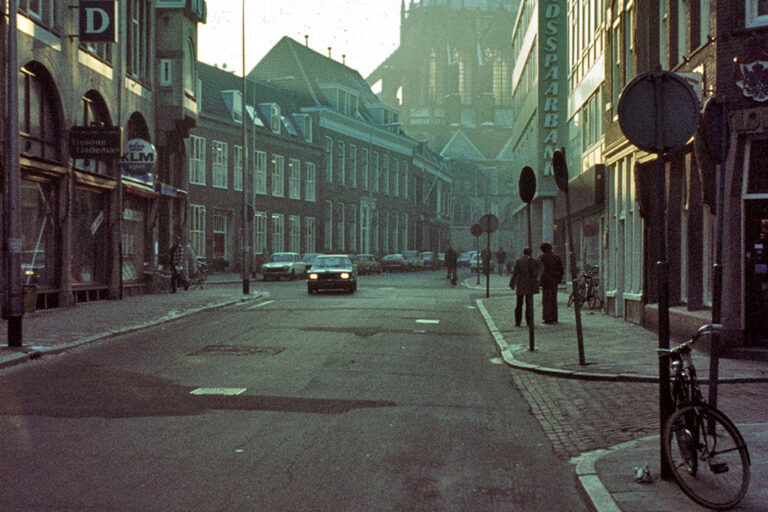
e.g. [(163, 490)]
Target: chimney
[(329, 52), (306, 40), (344, 59)]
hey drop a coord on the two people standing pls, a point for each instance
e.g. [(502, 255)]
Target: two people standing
[(528, 274)]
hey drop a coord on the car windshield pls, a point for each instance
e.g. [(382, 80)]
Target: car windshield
[(332, 262), (282, 257)]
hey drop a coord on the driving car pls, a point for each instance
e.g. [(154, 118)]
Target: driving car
[(476, 262), (283, 264), (309, 258), (395, 262), (463, 260), (367, 264), (332, 272), (415, 258)]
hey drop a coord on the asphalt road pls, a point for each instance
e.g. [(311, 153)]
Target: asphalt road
[(391, 399)]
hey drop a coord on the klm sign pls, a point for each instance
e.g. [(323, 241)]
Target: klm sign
[(98, 19)]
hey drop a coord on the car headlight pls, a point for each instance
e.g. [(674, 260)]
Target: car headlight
[(345, 275), (313, 276)]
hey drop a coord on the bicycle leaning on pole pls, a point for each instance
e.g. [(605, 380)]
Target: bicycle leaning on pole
[(589, 290), (703, 448)]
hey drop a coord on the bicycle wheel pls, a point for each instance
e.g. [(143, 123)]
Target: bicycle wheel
[(595, 300), (710, 466)]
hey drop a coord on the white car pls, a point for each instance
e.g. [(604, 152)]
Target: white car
[(284, 264)]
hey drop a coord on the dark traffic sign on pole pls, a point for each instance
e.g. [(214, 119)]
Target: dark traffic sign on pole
[(561, 178)]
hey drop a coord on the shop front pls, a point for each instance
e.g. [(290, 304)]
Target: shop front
[(755, 229), (90, 240)]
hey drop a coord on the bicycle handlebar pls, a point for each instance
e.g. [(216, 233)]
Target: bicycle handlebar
[(704, 329)]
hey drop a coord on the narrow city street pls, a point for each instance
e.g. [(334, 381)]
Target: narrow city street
[(389, 399)]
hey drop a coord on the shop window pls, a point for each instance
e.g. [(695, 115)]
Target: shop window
[(38, 250), (89, 228), (39, 126), (758, 167), (133, 242)]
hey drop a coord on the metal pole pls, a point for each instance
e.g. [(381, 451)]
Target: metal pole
[(119, 116), (574, 282), (530, 314), (13, 184), (244, 160), (479, 259), (717, 290), (488, 269)]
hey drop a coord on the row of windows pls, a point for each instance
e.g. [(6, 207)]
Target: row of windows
[(374, 172), (260, 169)]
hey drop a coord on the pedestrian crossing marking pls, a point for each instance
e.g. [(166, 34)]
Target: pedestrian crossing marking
[(218, 391)]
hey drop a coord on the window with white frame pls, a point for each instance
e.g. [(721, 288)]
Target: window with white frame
[(328, 226), (405, 180), (140, 14), (340, 227), (309, 234), (310, 183), (294, 178), (375, 172), (197, 160), (275, 118), (353, 228), (278, 232), (220, 236), (353, 165), (329, 159), (294, 233), (219, 164), (756, 13), (260, 173), (42, 11), (260, 232), (278, 175), (385, 173), (238, 177), (364, 168), (342, 163), (197, 228), (396, 175)]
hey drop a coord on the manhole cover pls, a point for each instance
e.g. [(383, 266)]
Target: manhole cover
[(237, 350)]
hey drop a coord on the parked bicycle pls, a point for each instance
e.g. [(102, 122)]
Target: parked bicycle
[(589, 289), (198, 274), (703, 448)]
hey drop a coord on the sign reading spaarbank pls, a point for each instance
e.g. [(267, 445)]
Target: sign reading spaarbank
[(553, 77), (139, 161)]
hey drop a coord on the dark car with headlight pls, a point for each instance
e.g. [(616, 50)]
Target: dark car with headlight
[(332, 272)]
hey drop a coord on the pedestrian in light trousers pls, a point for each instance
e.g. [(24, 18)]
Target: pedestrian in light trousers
[(525, 282)]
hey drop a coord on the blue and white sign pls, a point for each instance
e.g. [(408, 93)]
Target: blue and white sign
[(139, 161)]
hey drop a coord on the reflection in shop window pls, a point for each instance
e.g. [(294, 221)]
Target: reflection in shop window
[(37, 233), (89, 229), (133, 238)]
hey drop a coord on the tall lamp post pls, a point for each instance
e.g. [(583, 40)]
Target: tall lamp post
[(244, 163)]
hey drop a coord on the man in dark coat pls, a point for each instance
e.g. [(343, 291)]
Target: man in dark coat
[(450, 263), (178, 261), (551, 274), (501, 260), (525, 282)]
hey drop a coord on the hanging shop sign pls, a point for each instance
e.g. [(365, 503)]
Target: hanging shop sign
[(97, 20), (95, 142), (139, 161)]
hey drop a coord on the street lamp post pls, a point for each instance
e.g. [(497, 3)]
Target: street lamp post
[(244, 164)]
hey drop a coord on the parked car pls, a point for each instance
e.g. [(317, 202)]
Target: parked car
[(415, 258), (463, 260), (395, 262), (283, 264), (476, 262), (429, 260), (332, 272), (367, 264), (309, 258)]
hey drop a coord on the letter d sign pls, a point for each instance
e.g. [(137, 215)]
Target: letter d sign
[(98, 19)]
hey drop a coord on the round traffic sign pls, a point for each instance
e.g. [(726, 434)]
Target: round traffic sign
[(489, 222), (527, 184), (658, 111), (476, 229)]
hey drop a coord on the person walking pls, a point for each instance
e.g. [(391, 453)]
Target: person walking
[(450, 263), (485, 259), (178, 260), (551, 274), (525, 282), (501, 260)]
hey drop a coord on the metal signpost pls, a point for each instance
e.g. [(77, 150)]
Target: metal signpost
[(658, 112), (717, 142), (561, 178), (476, 229), (490, 223), (527, 189)]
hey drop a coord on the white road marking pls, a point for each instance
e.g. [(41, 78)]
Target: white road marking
[(218, 391), (261, 304), (427, 321)]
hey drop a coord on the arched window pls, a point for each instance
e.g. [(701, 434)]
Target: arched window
[(94, 112), (40, 128)]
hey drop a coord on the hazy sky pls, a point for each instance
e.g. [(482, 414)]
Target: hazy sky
[(367, 31)]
